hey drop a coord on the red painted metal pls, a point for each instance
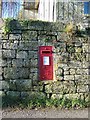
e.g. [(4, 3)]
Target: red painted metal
[(45, 63)]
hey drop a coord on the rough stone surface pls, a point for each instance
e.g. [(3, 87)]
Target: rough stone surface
[(19, 75)]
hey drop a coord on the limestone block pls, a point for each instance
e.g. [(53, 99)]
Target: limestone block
[(10, 73), (26, 63), (24, 85), (66, 71), (69, 87), (72, 96), (72, 71), (6, 62), (1, 78), (33, 70), (56, 96), (13, 94), (1, 71), (68, 77), (30, 36), (59, 78), (82, 71), (2, 93), (62, 65), (25, 45), (37, 95), (10, 45), (4, 85), (34, 62), (78, 44), (78, 49), (85, 64), (15, 36), (34, 45), (8, 54), (48, 89), (58, 88), (22, 54), (17, 62), (82, 88), (82, 78), (33, 54), (38, 88), (85, 47), (23, 73), (12, 85), (25, 94), (75, 64), (15, 73)]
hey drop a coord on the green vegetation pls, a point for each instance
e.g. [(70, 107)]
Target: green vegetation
[(36, 102), (11, 25)]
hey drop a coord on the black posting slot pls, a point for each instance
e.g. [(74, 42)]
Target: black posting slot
[(46, 51)]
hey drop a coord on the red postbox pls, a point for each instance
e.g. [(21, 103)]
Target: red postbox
[(46, 62)]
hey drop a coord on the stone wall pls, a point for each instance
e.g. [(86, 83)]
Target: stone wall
[(19, 62)]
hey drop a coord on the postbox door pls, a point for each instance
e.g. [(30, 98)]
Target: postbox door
[(46, 63)]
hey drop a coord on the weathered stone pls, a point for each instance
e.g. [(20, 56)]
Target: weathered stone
[(82, 78), (68, 77), (48, 89), (59, 78), (85, 47), (26, 63), (82, 71), (15, 36), (10, 45), (13, 94), (66, 71), (12, 85), (4, 85), (6, 62), (30, 36), (25, 94), (34, 70), (22, 54), (82, 88), (1, 78), (34, 62), (78, 49), (56, 96), (1, 70), (37, 95), (85, 64), (33, 54), (69, 87), (58, 87), (2, 93), (17, 62), (24, 85), (72, 96), (15, 73), (75, 64), (72, 71), (8, 54)]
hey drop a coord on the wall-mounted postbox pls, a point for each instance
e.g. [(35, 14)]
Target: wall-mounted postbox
[(46, 62)]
